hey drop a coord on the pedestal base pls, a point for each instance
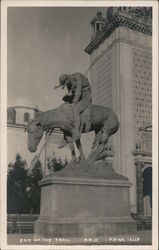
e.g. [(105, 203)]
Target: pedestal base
[(84, 207), (62, 229)]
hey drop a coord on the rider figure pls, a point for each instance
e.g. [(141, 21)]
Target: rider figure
[(79, 94)]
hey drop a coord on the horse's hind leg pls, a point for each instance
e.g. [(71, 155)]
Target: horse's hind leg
[(97, 139), (103, 139), (94, 156)]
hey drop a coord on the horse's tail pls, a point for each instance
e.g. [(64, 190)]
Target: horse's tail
[(111, 124), (110, 127)]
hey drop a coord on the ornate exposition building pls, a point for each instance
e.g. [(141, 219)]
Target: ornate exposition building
[(121, 78)]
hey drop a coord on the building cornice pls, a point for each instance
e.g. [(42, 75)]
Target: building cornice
[(24, 127), (123, 40), (21, 107), (19, 126), (142, 153), (117, 21)]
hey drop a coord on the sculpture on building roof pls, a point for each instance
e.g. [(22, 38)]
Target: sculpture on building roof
[(140, 12), (145, 12), (91, 117)]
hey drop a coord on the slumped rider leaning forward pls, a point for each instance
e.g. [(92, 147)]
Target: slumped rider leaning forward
[(79, 94)]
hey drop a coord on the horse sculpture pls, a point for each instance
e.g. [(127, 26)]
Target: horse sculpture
[(104, 123)]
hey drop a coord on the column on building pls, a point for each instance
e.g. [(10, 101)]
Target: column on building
[(139, 188)]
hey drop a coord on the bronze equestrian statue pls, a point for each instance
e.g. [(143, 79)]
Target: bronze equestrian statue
[(104, 123), (77, 115)]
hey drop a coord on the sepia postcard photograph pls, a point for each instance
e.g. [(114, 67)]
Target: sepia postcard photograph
[(79, 125)]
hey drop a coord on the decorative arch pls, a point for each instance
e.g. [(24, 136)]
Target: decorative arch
[(147, 183)]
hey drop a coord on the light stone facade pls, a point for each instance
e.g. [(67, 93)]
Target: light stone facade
[(17, 144), (121, 78)]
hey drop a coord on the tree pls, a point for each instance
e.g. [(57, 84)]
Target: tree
[(23, 191), (17, 200), (34, 188)]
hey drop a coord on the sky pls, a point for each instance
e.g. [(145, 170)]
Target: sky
[(43, 43)]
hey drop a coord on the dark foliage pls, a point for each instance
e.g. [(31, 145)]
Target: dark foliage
[(17, 200), (34, 188), (23, 191), (55, 164)]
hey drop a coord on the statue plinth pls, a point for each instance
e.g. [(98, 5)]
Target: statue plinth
[(89, 205)]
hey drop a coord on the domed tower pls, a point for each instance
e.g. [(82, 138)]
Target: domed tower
[(98, 24), (20, 111)]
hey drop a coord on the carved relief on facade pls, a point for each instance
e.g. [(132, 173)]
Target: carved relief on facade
[(142, 85), (142, 14)]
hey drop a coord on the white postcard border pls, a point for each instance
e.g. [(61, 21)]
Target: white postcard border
[(12, 3)]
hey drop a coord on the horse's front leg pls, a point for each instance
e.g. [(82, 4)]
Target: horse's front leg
[(64, 142), (68, 140), (79, 146), (71, 147)]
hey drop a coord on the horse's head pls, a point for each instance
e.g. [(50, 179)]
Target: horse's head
[(35, 133)]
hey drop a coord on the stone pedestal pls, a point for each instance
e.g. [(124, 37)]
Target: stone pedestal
[(84, 206)]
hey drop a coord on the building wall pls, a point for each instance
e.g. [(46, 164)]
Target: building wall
[(20, 114), (101, 80), (121, 78), (142, 85)]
